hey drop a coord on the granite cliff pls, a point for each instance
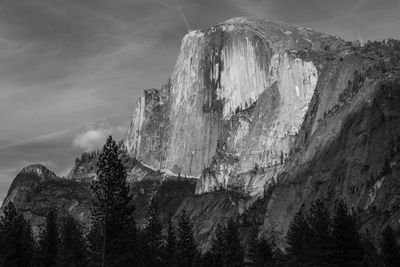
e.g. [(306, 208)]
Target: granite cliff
[(258, 120), (235, 100)]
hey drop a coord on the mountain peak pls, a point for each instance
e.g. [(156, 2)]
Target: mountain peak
[(39, 170)]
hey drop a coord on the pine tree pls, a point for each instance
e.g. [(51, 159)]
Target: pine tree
[(218, 247), (320, 251), (16, 241), (186, 245), (297, 240), (264, 254), (252, 247), (48, 241), (371, 257), (95, 244), (390, 248), (347, 241), (170, 246), (234, 254), (73, 250), (154, 237), (112, 208)]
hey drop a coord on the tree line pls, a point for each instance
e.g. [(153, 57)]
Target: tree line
[(113, 239)]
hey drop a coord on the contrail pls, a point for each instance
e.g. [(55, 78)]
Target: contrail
[(182, 15)]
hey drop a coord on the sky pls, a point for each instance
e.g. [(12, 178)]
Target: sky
[(71, 71)]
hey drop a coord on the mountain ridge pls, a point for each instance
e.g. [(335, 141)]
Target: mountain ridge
[(268, 126)]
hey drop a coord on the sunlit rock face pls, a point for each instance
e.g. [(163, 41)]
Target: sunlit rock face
[(235, 100), (26, 182)]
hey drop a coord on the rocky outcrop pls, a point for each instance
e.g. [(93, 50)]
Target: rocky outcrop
[(25, 183), (236, 87), (36, 190)]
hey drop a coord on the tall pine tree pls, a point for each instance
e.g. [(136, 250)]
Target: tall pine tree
[(297, 240), (154, 237), (346, 239), (252, 244), (186, 244), (73, 250), (218, 247), (234, 254), (49, 241), (16, 241), (390, 248), (112, 209), (170, 246), (320, 251), (371, 258)]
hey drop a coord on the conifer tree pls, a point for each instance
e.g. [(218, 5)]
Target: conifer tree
[(95, 245), (347, 241), (186, 245), (264, 253), (49, 241), (297, 239), (112, 208), (16, 241), (170, 246), (390, 248), (218, 247), (234, 255), (320, 251), (154, 237), (252, 243), (73, 250), (371, 258)]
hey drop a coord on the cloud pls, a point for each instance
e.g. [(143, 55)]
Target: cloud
[(91, 139)]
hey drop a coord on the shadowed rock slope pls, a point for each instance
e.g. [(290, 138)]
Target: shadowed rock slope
[(269, 117)]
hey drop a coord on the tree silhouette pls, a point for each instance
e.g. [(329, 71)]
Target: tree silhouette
[(154, 237), (170, 246), (347, 241), (218, 247), (49, 241), (73, 250), (186, 245), (16, 241), (234, 254), (112, 208), (297, 239), (390, 248)]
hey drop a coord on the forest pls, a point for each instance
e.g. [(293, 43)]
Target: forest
[(315, 238)]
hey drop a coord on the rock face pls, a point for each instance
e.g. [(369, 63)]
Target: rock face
[(26, 182), (236, 93), (268, 118), (36, 189)]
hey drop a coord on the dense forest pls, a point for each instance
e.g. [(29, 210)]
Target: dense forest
[(314, 237)]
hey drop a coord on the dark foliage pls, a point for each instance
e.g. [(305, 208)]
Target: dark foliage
[(49, 241), (390, 248), (154, 239), (346, 239), (73, 251), (170, 246), (112, 209), (297, 240), (16, 241), (186, 245)]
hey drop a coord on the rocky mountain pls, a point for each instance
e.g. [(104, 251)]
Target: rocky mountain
[(258, 120), (235, 100)]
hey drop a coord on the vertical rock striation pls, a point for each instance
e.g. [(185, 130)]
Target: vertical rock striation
[(235, 100)]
